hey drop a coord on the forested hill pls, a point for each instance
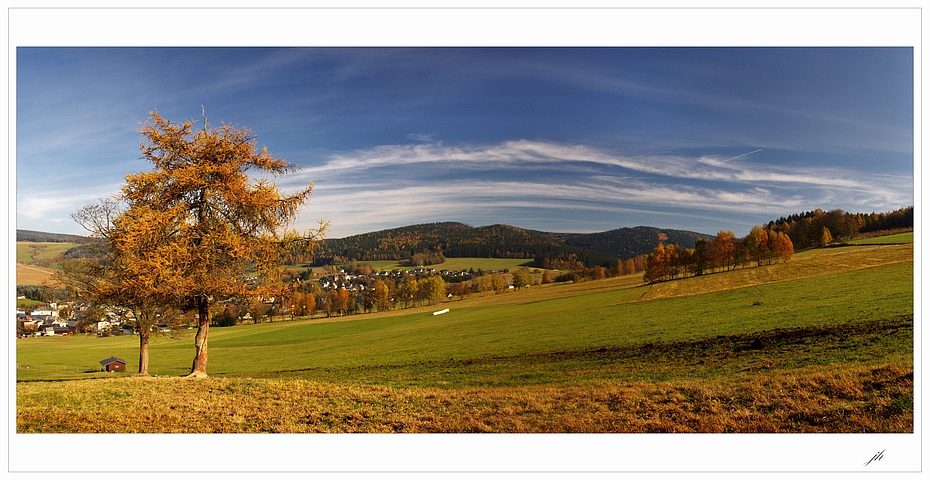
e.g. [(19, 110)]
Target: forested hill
[(33, 236), (630, 242), (501, 241)]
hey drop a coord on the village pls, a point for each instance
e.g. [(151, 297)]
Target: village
[(365, 280), (54, 319), (65, 318)]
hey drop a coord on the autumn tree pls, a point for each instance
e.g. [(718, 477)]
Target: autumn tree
[(659, 264), (304, 304), (547, 276), (124, 272), (258, 309), (433, 289), (701, 256), (757, 244), (723, 250), (522, 278), (346, 303), (498, 282), (381, 296), (825, 236), (408, 290), (226, 222), (782, 246)]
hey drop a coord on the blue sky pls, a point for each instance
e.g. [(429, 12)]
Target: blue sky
[(557, 139)]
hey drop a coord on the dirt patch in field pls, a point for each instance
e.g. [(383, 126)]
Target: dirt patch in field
[(731, 345)]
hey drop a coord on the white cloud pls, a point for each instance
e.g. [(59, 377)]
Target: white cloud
[(395, 185), (524, 153)]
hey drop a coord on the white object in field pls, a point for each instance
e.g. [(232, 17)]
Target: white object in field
[(441, 312)]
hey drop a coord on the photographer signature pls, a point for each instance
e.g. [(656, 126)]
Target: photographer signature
[(878, 456)]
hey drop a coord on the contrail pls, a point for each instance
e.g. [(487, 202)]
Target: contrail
[(740, 156)]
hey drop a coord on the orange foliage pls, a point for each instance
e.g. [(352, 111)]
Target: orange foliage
[(210, 221)]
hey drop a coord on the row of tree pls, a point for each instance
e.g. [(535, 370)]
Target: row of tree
[(818, 227), (384, 295), (776, 241), (380, 295), (424, 259), (762, 246)]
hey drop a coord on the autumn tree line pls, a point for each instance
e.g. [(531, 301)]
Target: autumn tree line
[(724, 253), (817, 227), (392, 293), (774, 242)]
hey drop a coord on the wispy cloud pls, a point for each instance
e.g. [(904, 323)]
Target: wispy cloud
[(531, 154), (59, 205), (394, 185)]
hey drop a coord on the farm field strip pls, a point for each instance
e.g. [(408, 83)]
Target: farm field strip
[(32, 275)]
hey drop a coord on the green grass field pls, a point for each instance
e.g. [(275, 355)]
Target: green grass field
[(906, 237), (44, 250), (799, 346)]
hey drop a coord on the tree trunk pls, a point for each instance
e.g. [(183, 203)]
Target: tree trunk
[(143, 352), (199, 367)]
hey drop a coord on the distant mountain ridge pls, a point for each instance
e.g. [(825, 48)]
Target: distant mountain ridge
[(501, 241)]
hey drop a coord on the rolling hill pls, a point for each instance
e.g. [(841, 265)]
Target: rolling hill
[(457, 240), (34, 236), (500, 241)]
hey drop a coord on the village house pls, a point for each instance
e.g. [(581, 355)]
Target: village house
[(46, 312)]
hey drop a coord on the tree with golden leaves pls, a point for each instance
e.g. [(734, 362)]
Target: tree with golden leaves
[(122, 273), (723, 250), (222, 223), (782, 246)]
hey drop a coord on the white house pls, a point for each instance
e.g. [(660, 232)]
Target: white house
[(46, 312)]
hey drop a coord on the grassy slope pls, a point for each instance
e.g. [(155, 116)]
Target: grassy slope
[(905, 237), (819, 321), (29, 274)]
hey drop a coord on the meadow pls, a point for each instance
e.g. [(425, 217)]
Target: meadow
[(821, 343), (904, 237), (30, 254)]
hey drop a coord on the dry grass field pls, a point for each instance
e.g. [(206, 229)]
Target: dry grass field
[(32, 275), (865, 398)]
